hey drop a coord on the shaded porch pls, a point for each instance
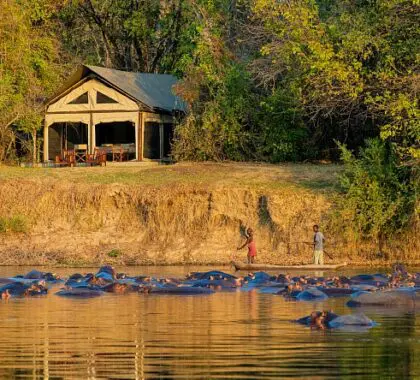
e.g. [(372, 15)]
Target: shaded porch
[(121, 137)]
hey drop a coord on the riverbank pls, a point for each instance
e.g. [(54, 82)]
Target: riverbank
[(149, 214)]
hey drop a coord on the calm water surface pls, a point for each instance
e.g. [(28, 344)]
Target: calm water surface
[(226, 335)]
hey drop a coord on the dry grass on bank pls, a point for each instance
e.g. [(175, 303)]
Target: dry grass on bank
[(250, 175), (188, 213)]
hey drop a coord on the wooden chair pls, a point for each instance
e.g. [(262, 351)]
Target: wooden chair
[(70, 157), (100, 156), (60, 161), (117, 153), (97, 158), (66, 159)]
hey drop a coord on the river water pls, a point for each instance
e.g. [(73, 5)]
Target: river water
[(235, 335)]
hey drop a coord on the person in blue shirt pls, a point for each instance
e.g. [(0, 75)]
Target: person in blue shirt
[(318, 244)]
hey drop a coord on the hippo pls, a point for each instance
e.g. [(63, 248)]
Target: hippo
[(76, 284), (211, 275), (80, 293), (336, 292), (316, 317), (117, 288), (261, 277), (106, 273), (271, 289), (362, 278), (181, 290), (384, 298), (364, 287), (215, 284), (330, 320), (14, 289), (34, 275), (311, 294), (76, 277), (18, 289), (352, 320), (282, 278), (4, 281), (37, 275)]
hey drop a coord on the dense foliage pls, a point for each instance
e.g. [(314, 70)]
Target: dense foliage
[(380, 194), (265, 80)]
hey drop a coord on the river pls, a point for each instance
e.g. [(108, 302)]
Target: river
[(238, 335)]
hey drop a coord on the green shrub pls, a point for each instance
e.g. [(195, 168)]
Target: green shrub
[(379, 194), (114, 253), (3, 225), (17, 223)]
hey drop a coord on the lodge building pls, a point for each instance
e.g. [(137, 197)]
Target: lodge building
[(101, 107)]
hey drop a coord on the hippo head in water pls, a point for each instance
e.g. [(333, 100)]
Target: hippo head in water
[(316, 320), (238, 281), (36, 289), (5, 295), (116, 288)]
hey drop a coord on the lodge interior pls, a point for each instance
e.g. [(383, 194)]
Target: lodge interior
[(157, 138)]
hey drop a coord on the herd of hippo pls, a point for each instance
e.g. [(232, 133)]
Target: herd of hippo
[(400, 288)]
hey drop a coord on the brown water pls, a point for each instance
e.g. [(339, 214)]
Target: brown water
[(226, 335)]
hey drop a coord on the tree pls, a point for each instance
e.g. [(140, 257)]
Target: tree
[(29, 71), (147, 36)]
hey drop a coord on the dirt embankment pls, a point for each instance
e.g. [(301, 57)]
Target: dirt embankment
[(81, 224)]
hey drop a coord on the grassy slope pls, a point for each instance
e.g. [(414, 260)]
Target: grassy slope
[(316, 177)]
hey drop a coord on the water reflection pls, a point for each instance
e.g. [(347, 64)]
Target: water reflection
[(226, 335)]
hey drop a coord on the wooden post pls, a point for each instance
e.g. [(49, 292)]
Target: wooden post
[(93, 140), (89, 149), (46, 142), (161, 139), (141, 137), (137, 135)]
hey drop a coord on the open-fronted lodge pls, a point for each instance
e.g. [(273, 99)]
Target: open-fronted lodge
[(115, 111)]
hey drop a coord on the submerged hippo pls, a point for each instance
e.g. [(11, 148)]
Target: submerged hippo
[(311, 294), (19, 289), (383, 298), (326, 319), (181, 290), (352, 320), (336, 292), (80, 293), (210, 275), (216, 284), (37, 275)]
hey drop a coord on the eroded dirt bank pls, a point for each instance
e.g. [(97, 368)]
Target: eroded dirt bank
[(81, 224)]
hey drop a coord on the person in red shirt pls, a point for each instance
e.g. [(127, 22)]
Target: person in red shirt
[(252, 248)]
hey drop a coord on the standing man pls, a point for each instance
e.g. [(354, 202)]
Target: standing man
[(318, 246), (250, 242)]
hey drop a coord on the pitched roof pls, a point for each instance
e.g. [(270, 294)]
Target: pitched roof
[(153, 90)]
